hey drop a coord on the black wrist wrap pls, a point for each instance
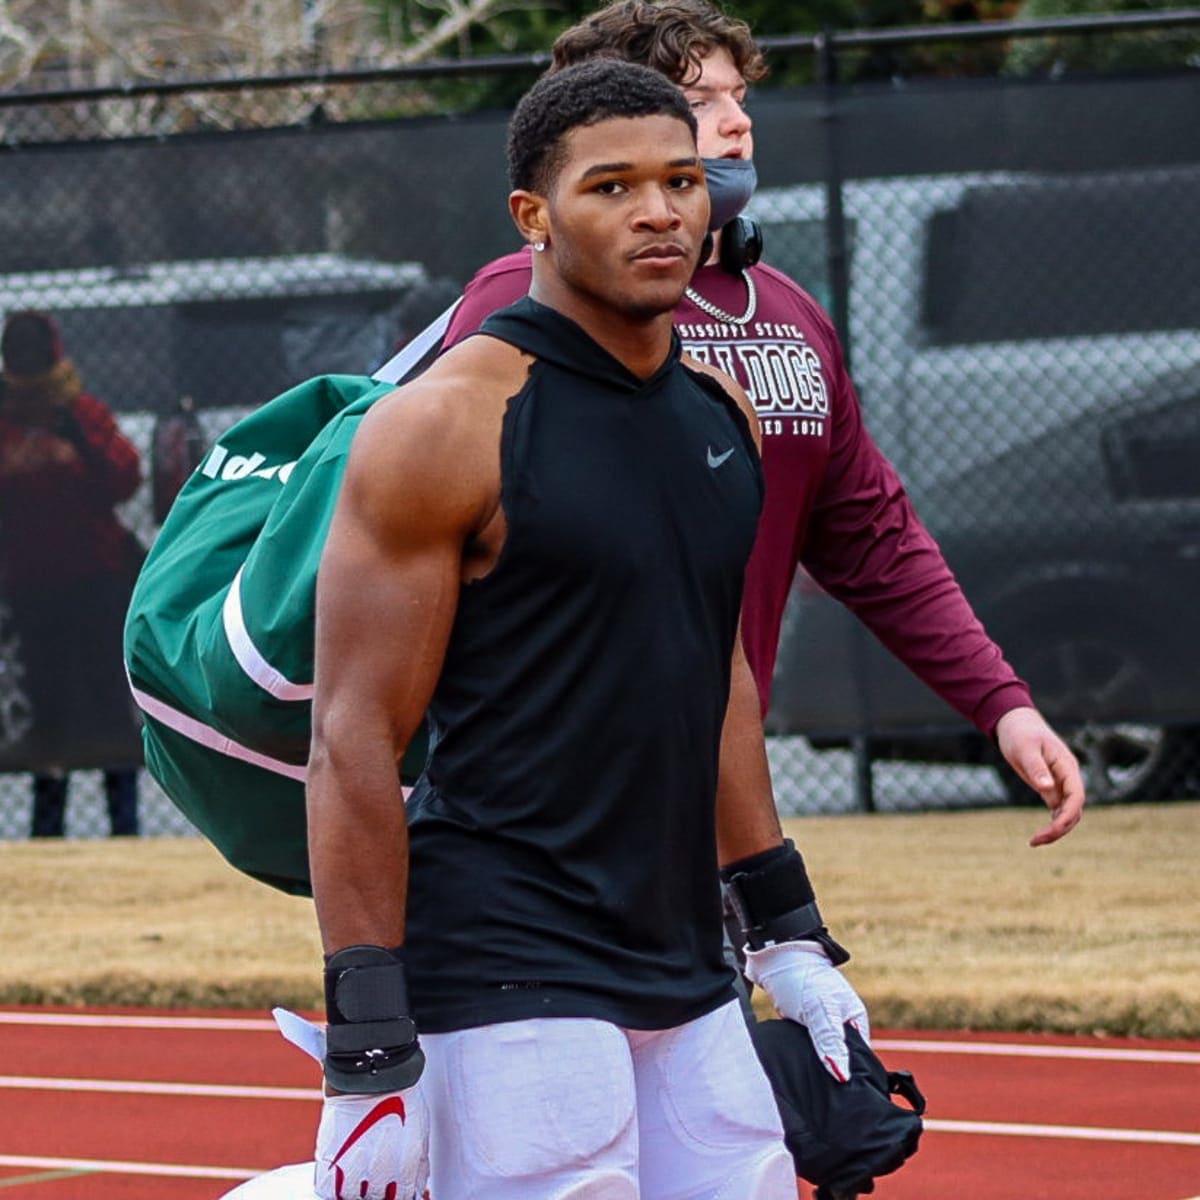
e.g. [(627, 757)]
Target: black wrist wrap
[(774, 901), (370, 1040)]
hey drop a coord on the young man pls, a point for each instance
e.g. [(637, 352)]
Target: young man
[(541, 543), (833, 503)]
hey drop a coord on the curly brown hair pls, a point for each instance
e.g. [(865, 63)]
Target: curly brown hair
[(672, 37)]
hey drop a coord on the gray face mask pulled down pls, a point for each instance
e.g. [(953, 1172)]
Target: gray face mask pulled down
[(731, 183)]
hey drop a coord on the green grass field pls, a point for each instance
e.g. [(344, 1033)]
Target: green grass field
[(952, 919)]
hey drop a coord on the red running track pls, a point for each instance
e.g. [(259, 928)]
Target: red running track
[(135, 1105)]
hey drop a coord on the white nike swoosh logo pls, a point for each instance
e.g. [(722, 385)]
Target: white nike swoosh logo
[(715, 460)]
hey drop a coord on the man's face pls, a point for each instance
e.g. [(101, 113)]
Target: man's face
[(628, 213), (718, 97)]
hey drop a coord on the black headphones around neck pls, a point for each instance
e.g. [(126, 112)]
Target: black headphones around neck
[(741, 244)]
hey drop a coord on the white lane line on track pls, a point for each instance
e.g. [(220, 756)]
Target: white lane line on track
[(230, 1091), (121, 1021), (1020, 1050), (906, 1045), (147, 1088), (1160, 1137), (128, 1168)]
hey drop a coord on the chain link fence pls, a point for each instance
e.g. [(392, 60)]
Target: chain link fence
[(1014, 264), (1016, 268)]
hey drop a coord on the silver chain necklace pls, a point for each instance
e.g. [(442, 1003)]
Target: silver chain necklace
[(720, 314)]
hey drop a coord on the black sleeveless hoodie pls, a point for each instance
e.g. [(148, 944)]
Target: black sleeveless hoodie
[(563, 856)]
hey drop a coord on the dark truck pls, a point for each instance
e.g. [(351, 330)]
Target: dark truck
[(1027, 349)]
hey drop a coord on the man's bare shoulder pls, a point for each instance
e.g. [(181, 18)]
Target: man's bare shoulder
[(481, 358), (435, 443), (455, 397), (729, 385), (727, 382)]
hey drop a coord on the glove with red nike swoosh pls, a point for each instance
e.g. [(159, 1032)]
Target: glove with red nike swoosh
[(807, 988), (373, 1147)]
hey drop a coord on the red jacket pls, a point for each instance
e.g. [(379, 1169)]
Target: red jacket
[(57, 492), (833, 502)]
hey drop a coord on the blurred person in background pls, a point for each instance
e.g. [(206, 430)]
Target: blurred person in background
[(67, 566)]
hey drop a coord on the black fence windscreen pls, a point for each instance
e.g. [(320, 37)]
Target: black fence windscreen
[(1024, 329)]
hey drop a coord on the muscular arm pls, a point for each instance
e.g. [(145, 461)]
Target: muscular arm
[(867, 547), (788, 951), (746, 818), (421, 482), (747, 821)]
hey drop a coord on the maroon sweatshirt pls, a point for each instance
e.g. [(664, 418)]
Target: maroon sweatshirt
[(833, 502)]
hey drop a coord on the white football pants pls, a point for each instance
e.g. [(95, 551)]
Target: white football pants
[(577, 1109)]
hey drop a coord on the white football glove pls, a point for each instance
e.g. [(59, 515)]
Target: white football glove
[(373, 1147), (807, 988)]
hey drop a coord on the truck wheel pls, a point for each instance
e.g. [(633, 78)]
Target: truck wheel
[(1103, 669), (1123, 763)]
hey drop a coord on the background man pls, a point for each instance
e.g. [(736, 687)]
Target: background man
[(541, 543), (833, 502)]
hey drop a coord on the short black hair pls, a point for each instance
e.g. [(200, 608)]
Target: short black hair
[(598, 90)]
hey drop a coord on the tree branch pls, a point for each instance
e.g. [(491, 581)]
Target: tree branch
[(458, 19)]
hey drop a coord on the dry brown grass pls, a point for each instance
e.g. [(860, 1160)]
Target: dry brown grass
[(157, 921), (956, 922), (953, 921)]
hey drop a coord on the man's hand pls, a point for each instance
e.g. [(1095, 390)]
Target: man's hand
[(807, 988), (1045, 762), (373, 1147)]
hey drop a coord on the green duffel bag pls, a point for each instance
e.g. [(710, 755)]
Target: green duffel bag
[(219, 636), (219, 639)]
